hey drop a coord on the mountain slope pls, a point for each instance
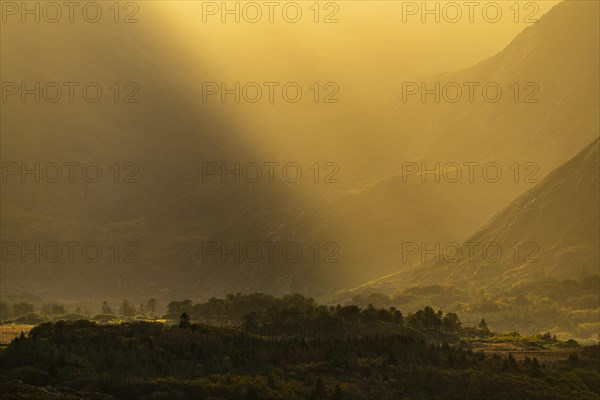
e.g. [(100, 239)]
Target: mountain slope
[(168, 134), (167, 212), (560, 56), (560, 217), (551, 231)]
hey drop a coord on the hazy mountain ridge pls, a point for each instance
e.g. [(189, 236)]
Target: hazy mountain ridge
[(560, 55), (559, 215), (170, 211)]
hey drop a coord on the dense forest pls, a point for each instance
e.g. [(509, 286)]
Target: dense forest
[(568, 308), (283, 348)]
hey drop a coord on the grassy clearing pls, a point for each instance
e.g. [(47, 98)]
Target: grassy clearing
[(10, 331)]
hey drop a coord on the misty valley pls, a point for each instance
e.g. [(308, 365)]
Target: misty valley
[(332, 200)]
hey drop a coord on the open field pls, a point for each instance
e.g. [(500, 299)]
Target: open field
[(10, 331), (520, 351)]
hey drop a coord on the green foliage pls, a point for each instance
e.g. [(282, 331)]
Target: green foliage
[(106, 308), (126, 309), (288, 348), (151, 305), (184, 321), (145, 360), (566, 308), (296, 315)]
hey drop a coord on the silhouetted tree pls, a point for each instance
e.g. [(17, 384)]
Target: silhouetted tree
[(250, 322), (369, 314), (151, 304), (184, 320), (483, 327), (176, 308), (451, 323), (106, 308), (126, 309)]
